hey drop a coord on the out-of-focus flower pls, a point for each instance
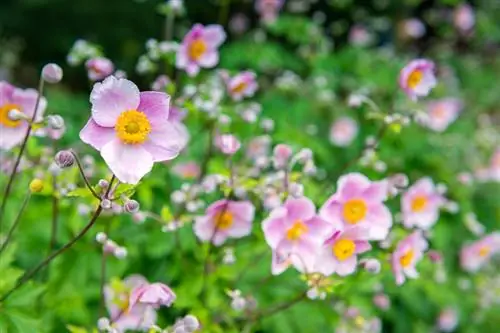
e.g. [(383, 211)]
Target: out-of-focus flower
[(295, 229), (464, 18), (16, 105), (476, 255), (228, 144), (417, 78), (268, 9), (359, 202), (154, 294), (160, 83), (413, 28), (340, 250), (225, 219), (343, 131), (359, 36), (99, 68), (187, 170), (238, 24), (382, 301), (447, 320), (494, 167), (200, 48), (117, 299), (52, 73), (408, 253), (241, 85), (131, 129), (420, 204), (441, 113), (281, 155)]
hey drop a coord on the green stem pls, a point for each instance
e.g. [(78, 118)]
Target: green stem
[(16, 222)]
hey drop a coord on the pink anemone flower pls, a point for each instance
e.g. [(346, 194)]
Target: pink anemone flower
[(200, 48), (131, 129), (476, 255), (441, 113), (14, 100), (417, 78), (155, 294), (408, 253), (241, 85), (359, 202)]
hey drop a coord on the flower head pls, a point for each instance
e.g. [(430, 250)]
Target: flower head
[(268, 9), (408, 253), (343, 131), (359, 202), (241, 85), (131, 129), (200, 48), (155, 294), (225, 219), (228, 144), (447, 320), (99, 68), (15, 105), (441, 113), (420, 204), (417, 78), (476, 255), (339, 252), (295, 229), (464, 18)]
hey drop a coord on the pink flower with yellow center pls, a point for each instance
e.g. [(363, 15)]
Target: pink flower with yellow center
[(131, 129), (225, 219), (294, 230), (441, 113), (99, 68), (476, 255), (358, 202), (281, 263), (417, 78), (241, 85), (420, 204), (339, 252), (155, 294), (408, 253), (343, 132), (200, 48), (14, 100), (124, 315)]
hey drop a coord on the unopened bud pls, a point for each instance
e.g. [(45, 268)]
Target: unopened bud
[(371, 265), (36, 185), (106, 204), (191, 323), (52, 73), (131, 206), (55, 122), (103, 183), (103, 324), (120, 252), (101, 237), (64, 159), (228, 144)]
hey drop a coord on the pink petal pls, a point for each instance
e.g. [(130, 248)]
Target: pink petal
[(6, 91), (240, 228), (155, 105), (352, 185), (209, 59), (242, 210), (362, 246), (300, 209), (348, 266), (326, 263), (274, 231), (203, 228), (192, 69), (214, 35), (27, 100), (11, 137), (319, 228), (165, 141), (112, 97), (95, 135), (129, 163)]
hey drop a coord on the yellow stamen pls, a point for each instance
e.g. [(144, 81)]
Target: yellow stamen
[(484, 251), (297, 230), (196, 49), (414, 79), (4, 115), (419, 203), (239, 88), (344, 249), (132, 127), (224, 220), (406, 259), (355, 210)]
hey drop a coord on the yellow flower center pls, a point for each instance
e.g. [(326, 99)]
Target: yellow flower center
[(484, 251), (132, 127), (344, 249), (239, 88), (414, 79), (224, 220), (297, 230), (196, 49), (4, 115), (419, 203), (355, 210), (406, 259)]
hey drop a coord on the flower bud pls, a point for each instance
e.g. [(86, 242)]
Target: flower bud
[(228, 144), (106, 204), (281, 155), (238, 303), (103, 324), (64, 159), (52, 73), (55, 122), (36, 185), (101, 237), (103, 183), (191, 323), (131, 206), (120, 252), (371, 265)]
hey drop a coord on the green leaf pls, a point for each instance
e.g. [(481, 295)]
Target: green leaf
[(22, 323)]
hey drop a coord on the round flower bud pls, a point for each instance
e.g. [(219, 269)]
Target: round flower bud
[(120, 252), (52, 73), (106, 204), (131, 206), (372, 265), (238, 303), (55, 122), (103, 324), (191, 323), (64, 159), (101, 237), (36, 185), (103, 183)]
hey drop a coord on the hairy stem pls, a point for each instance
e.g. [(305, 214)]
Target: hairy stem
[(85, 179)]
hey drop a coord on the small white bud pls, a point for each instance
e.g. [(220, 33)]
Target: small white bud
[(55, 122), (106, 204), (52, 73), (131, 206), (103, 183), (238, 303), (103, 324), (120, 252), (372, 265), (101, 237), (191, 323)]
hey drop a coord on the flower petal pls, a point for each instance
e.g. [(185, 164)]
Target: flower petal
[(165, 141), (95, 135), (155, 105), (214, 35)]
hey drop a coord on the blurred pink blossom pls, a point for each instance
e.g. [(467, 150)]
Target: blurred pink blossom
[(408, 253), (417, 78)]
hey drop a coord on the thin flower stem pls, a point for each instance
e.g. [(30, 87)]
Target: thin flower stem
[(278, 308), (248, 267), (85, 179), (55, 214), (102, 283), (16, 222), (28, 275), (13, 173)]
